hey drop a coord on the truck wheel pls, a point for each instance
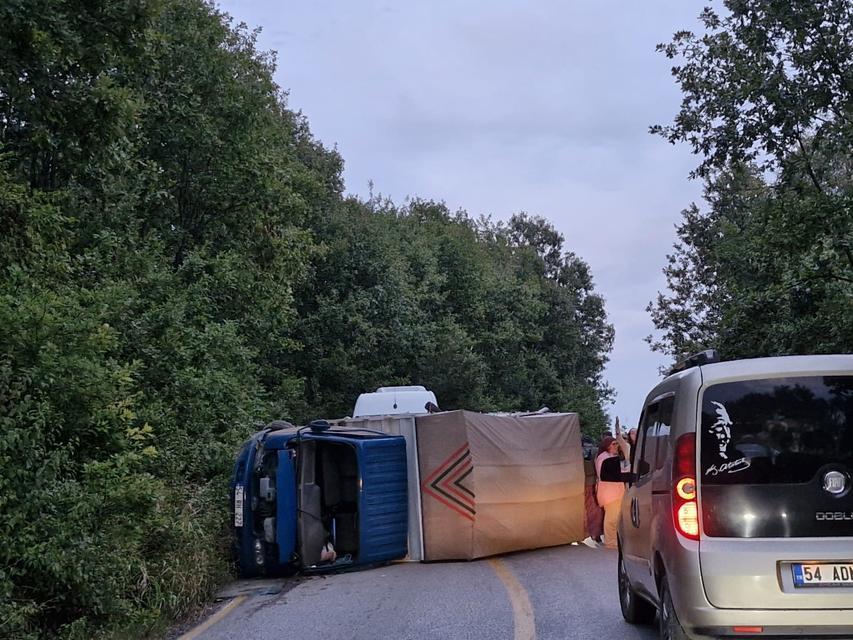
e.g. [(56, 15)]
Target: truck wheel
[(669, 627), (634, 609)]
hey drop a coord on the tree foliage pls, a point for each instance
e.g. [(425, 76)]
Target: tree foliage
[(178, 263), (767, 269), (489, 316)]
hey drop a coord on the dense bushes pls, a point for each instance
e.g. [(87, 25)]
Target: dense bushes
[(178, 263)]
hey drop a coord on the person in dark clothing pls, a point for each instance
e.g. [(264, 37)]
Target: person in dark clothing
[(593, 513)]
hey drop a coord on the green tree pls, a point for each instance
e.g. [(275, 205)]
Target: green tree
[(490, 317), (155, 195), (64, 99), (768, 105), (576, 337)]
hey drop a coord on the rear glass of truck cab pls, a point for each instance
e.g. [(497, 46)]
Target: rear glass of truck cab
[(766, 448)]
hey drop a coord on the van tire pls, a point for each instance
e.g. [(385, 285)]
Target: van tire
[(634, 609), (669, 628)]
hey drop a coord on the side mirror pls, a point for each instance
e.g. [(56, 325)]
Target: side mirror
[(611, 471)]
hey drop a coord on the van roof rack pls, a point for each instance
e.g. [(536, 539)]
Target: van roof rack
[(703, 357)]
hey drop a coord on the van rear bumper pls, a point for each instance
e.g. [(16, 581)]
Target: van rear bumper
[(778, 633), (774, 623)]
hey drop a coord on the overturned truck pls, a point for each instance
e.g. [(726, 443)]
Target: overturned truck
[(448, 486)]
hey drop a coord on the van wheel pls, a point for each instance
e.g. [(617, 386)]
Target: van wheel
[(634, 609), (669, 627)]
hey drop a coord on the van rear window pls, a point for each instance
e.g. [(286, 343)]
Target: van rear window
[(776, 431)]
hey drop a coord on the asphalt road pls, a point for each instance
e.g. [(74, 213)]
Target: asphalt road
[(563, 592)]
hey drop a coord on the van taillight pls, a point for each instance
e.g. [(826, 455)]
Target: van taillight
[(685, 457), (686, 489), (686, 510), (688, 519)]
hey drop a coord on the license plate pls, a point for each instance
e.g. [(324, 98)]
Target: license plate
[(238, 505), (823, 574)]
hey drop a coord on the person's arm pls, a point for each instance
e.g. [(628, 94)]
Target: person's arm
[(624, 445)]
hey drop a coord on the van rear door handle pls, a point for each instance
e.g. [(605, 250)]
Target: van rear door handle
[(635, 512)]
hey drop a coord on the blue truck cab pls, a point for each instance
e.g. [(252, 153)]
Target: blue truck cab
[(296, 494)]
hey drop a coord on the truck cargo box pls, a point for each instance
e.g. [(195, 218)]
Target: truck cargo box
[(482, 484)]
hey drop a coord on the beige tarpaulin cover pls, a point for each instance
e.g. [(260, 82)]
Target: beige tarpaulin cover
[(493, 484)]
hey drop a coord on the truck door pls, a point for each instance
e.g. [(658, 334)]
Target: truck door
[(383, 499), (286, 506)]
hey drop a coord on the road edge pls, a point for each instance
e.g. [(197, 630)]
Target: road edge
[(212, 620)]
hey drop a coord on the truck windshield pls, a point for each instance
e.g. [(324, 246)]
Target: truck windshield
[(776, 431)]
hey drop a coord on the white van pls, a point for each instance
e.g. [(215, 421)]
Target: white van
[(392, 400)]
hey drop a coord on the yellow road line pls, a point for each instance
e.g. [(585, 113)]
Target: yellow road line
[(522, 610), (212, 620)]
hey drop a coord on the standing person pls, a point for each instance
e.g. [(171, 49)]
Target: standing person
[(609, 494), (593, 513)]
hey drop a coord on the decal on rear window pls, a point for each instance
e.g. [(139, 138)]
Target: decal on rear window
[(776, 430), (741, 464), (721, 430)]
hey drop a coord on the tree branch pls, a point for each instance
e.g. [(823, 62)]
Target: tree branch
[(809, 168)]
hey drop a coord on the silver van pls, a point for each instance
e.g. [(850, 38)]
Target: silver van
[(738, 517)]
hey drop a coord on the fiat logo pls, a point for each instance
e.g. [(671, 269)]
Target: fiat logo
[(834, 482)]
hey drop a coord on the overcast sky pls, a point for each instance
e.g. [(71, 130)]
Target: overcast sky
[(499, 107)]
